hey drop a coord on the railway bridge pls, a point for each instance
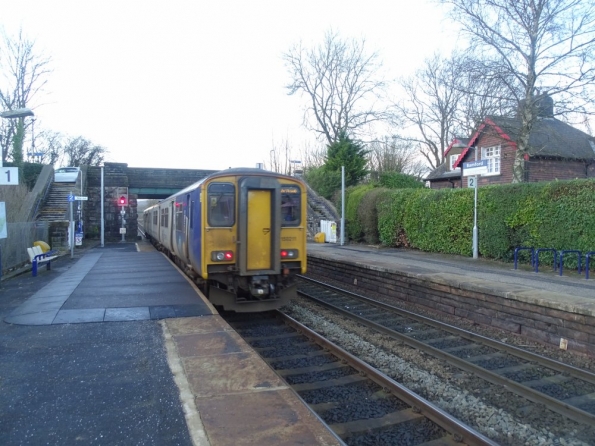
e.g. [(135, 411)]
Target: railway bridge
[(118, 179), (136, 183)]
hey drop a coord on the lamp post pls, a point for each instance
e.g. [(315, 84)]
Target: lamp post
[(15, 114)]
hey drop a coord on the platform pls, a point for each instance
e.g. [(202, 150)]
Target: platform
[(543, 306), (111, 284), (116, 344)]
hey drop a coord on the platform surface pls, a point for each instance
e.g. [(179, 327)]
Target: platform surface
[(115, 346), (571, 291), (118, 282)]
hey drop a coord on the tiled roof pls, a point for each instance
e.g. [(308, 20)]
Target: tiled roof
[(551, 137), (442, 172), (457, 142)]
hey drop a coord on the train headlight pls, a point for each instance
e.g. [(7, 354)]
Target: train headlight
[(289, 253), (222, 256)]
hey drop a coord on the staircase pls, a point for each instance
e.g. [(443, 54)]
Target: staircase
[(55, 206), (319, 208)]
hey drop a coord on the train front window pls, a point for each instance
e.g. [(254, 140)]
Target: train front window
[(222, 204), (291, 205)]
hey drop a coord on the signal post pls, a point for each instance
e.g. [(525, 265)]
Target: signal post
[(123, 202)]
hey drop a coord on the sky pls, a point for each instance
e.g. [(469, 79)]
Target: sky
[(201, 84)]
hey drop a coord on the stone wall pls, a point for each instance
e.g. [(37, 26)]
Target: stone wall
[(119, 175), (472, 301)]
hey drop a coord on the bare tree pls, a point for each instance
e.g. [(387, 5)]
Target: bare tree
[(23, 75), (80, 151), (429, 107), (445, 98), (342, 84), (546, 45), (50, 146), (393, 155), (279, 156)]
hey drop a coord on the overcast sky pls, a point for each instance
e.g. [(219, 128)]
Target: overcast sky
[(200, 84)]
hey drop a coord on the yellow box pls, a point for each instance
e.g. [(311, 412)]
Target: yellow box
[(319, 238)]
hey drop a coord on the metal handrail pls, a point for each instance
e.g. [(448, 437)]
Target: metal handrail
[(521, 248), (562, 259), (587, 258), (41, 199), (536, 259)]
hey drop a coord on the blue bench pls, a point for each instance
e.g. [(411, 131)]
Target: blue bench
[(38, 257)]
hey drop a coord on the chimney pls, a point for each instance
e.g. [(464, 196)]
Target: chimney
[(544, 105)]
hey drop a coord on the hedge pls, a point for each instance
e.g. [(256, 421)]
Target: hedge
[(557, 214)]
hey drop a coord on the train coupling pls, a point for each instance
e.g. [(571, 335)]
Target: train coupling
[(259, 286)]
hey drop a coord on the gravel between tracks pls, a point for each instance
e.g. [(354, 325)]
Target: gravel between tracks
[(498, 414)]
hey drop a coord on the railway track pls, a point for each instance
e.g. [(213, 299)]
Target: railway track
[(567, 390), (359, 403)]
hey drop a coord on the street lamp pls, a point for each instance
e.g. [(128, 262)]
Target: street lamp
[(9, 114), (15, 114)]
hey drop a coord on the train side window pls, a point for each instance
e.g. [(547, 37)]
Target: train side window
[(222, 204), (291, 205), (179, 217), (165, 218)]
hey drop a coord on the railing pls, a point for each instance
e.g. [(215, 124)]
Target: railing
[(587, 258), (536, 259), (524, 248), (41, 199), (574, 251), (558, 258)]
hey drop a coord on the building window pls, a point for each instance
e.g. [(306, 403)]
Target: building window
[(492, 154), (453, 159)]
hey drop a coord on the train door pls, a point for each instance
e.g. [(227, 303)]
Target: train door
[(259, 226), (187, 213)]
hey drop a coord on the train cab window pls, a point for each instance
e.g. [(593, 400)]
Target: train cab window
[(222, 205), (290, 205)]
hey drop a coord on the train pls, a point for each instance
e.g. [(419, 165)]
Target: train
[(240, 234)]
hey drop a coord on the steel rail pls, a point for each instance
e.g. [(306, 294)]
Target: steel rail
[(554, 404), (459, 430), (582, 374)]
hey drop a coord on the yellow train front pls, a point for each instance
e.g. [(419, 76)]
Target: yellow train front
[(239, 233)]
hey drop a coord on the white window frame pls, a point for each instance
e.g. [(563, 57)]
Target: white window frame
[(453, 159), (493, 154)]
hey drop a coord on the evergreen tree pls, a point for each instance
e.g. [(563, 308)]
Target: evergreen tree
[(350, 154)]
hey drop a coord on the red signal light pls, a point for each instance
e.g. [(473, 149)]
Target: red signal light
[(122, 201), (229, 255)]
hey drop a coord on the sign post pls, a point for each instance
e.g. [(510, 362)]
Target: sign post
[(3, 231), (471, 170), (71, 224)]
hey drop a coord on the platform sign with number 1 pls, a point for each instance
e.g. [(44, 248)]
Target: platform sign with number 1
[(9, 176)]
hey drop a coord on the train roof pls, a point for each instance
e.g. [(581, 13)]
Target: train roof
[(227, 172)]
